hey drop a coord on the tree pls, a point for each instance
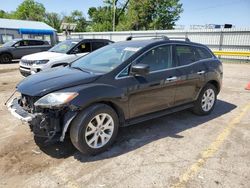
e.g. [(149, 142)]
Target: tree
[(78, 18), (101, 18), (8, 15), (54, 20), (152, 14), (139, 15), (2, 14), (165, 14), (30, 10), (135, 14)]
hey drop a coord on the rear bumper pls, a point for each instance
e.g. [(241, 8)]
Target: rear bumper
[(17, 111)]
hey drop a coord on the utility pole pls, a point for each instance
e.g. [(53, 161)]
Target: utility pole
[(114, 12)]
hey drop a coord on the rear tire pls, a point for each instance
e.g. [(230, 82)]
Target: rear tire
[(94, 129), (5, 58), (206, 101)]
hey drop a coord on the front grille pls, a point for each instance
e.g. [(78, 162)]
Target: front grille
[(27, 62), (25, 68)]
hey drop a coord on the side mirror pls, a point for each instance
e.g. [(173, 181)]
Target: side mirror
[(140, 69)]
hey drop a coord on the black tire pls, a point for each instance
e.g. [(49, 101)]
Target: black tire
[(80, 124), (5, 58), (197, 109)]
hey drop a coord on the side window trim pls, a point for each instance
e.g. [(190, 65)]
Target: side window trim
[(192, 46), (174, 59)]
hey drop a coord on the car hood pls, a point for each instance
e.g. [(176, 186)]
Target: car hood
[(44, 56), (54, 79)]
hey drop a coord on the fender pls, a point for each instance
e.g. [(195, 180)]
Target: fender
[(6, 52), (99, 93)]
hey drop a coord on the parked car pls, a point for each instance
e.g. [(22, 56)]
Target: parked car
[(60, 55), (18, 48), (118, 85)]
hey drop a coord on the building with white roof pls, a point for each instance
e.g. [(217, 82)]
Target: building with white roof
[(11, 29)]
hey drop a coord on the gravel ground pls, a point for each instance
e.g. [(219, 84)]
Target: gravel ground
[(179, 150)]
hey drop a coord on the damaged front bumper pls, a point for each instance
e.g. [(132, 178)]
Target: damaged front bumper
[(18, 111), (52, 124)]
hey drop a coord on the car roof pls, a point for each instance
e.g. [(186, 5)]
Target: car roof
[(20, 39), (92, 40)]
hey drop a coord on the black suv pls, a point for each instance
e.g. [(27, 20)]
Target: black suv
[(18, 48), (120, 84)]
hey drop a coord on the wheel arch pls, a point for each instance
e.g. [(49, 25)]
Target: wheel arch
[(69, 119), (9, 53), (113, 105), (117, 109), (216, 84)]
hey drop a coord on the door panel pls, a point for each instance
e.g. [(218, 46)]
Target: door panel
[(189, 73), (156, 90), (22, 48), (21, 51), (188, 84), (152, 93)]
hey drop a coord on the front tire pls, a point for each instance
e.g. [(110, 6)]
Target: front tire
[(5, 58), (206, 101), (94, 129)]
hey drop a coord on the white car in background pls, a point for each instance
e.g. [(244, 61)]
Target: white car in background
[(60, 55)]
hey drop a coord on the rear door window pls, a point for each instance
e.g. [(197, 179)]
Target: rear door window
[(35, 43), (202, 53), (185, 54), (97, 45)]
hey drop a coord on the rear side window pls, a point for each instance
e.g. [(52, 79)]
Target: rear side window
[(185, 54), (202, 53), (35, 43), (97, 45)]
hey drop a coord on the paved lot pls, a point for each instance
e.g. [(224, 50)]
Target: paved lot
[(179, 150)]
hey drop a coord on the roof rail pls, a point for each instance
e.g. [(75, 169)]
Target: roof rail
[(185, 38), (158, 37), (151, 36)]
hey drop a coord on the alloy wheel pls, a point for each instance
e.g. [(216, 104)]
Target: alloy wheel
[(99, 130), (5, 58), (208, 100)]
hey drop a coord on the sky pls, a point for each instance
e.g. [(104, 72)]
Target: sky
[(196, 12)]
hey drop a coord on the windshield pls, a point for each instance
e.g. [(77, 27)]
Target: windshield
[(63, 47), (9, 44), (105, 59)]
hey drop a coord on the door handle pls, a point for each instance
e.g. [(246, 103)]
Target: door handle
[(201, 72), (171, 78)]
